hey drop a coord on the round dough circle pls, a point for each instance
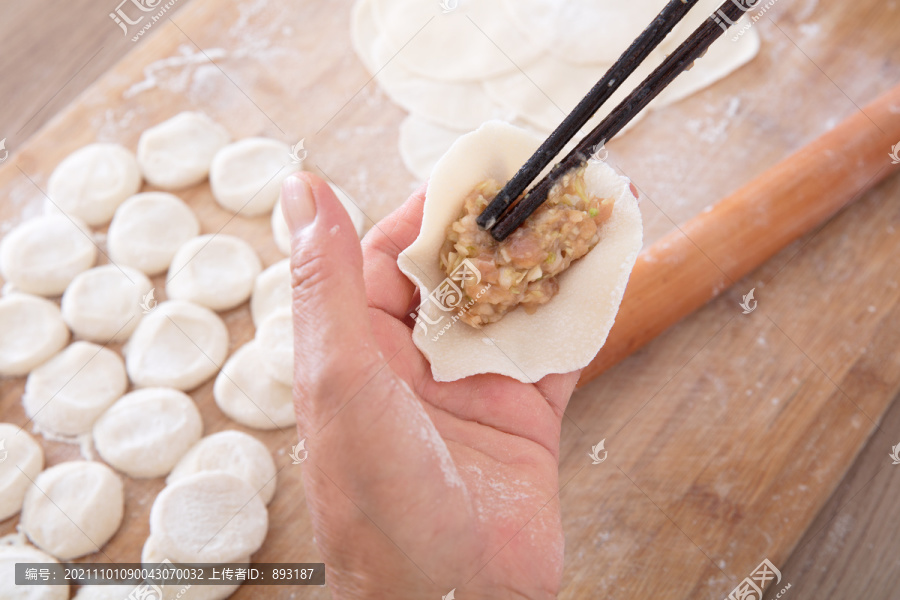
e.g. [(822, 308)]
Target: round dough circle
[(463, 44), (69, 392), (246, 392), (147, 432), (210, 517), (148, 229), (73, 509), (216, 271), (177, 153), (275, 337), (272, 291), (234, 452), (246, 176), (150, 555), (43, 255), (9, 556), (18, 450), (92, 182), (178, 345), (103, 304), (31, 331)]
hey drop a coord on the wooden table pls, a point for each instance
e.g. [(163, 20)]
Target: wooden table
[(731, 438)]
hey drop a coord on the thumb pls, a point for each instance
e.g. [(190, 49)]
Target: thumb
[(334, 349)]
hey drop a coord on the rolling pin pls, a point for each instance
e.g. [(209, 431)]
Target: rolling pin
[(688, 268)]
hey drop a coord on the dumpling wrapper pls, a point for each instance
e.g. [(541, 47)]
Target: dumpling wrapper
[(562, 336)]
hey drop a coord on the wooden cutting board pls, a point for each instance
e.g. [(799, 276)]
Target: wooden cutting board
[(726, 435)]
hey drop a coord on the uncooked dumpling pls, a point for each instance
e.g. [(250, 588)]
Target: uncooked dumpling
[(42, 256), (207, 518), (31, 331), (12, 554), (66, 394), (246, 176), (234, 452), (147, 431), (271, 292), (275, 337), (92, 182), (178, 345), (22, 460), (103, 304), (572, 327), (247, 392), (148, 229), (216, 271), (151, 555), (73, 509), (177, 153)]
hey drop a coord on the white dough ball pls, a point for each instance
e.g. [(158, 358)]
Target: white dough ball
[(92, 182), (31, 331), (151, 555), (234, 452), (280, 229), (9, 556), (272, 291), (103, 304), (246, 176), (207, 518), (148, 229), (177, 153), (178, 345), (42, 256), (246, 392), (69, 392), (147, 432), (73, 509), (21, 459), (216, 271), (105, 592), (275, 337)]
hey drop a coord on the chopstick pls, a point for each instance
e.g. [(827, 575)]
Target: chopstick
[(501, 217)]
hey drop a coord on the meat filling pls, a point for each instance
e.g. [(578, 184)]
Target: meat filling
[(522, 270)]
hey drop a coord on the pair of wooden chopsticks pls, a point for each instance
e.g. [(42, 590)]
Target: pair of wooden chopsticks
[(503, 215)]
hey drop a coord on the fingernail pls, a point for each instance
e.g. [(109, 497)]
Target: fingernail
[(297, 203)]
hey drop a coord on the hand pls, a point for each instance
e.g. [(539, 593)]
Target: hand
[(415, 487)]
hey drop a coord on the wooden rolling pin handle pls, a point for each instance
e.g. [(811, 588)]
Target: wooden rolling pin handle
[(688, 268)]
